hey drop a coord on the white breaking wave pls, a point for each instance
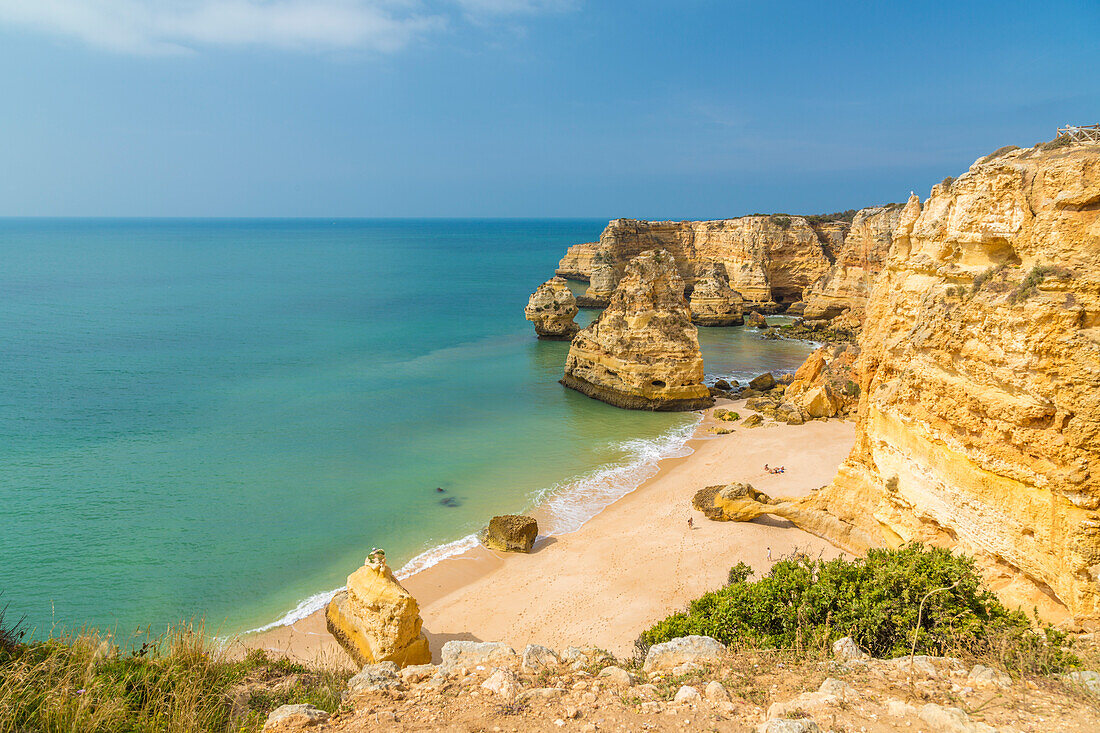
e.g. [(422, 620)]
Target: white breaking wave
[(314, 603), (568, 505)]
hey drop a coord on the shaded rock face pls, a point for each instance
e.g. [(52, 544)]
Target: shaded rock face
[(376, 620), (643, 351), (510, 533), (826, 385), (766, 259), (979, 413), (859, 257), (713, 302), (605, 276), (552, 308)]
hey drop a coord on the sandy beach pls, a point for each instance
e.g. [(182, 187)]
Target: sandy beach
[(629, 566)]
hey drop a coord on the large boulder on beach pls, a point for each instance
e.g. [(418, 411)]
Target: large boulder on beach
[(642, 352), (376, 620), (510, 533), (552, 308), (735, 502)]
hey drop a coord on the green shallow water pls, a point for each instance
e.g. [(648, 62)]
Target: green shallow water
[(219, 419)]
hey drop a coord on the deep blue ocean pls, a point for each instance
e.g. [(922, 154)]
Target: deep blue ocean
[(218, 419)]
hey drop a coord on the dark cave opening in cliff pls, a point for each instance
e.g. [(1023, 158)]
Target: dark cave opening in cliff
[(786, 295)]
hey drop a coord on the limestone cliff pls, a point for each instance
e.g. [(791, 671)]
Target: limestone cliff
[(713, 302), (578, 262), (766, 258), (552, 308), (979, 413), (858, 258), (643, 351), (376, 620)]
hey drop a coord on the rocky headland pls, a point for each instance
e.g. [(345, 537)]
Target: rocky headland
[(979, 378), (643, 351), (812, 267)]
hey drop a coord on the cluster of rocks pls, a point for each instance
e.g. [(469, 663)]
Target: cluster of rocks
[(696, 681)]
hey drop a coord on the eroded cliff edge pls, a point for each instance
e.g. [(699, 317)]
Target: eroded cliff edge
[(771, 261), (979, 415)]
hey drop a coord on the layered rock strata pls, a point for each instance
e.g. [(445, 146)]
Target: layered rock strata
[(643, 351), (376, 620), (858, 257), (979, 414), (713, 302), (552, 308), (578, 262), (767, 259), (605, 276)]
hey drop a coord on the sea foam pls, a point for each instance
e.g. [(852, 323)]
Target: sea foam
[(567, 505)]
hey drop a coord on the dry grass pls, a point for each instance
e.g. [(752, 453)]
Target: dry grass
[(177, 681)]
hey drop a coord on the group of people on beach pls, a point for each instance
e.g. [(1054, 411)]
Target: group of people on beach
[(777, 469)]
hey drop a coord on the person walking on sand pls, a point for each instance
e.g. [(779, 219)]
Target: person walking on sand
[(691, 522), (769, 554)]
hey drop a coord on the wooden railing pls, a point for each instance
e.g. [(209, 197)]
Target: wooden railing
[(1081, 133)]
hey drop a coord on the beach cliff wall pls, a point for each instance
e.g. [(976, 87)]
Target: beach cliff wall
[(858, 258), (979, 413)]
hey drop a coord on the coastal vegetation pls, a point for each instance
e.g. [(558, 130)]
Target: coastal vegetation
[(175, 681), (894, 602)]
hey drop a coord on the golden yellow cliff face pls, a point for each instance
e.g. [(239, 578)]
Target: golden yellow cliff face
[(643, 351), (860, 255), (979, 416), (578, 262), (713, 302), (765, 258), (376, 620)]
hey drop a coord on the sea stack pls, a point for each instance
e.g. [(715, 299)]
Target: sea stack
[(642, 353), (376, 620), (552, 308), (979, 422), (713, 302)]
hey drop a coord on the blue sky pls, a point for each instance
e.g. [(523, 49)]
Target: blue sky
[(516, 108)]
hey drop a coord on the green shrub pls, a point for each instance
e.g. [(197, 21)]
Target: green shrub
[(175, 682), (847, 216), (1034, 278), (806, 604), (780, 220)]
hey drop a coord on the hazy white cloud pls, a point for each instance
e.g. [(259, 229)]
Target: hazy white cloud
[(168, 26), (515, 7)]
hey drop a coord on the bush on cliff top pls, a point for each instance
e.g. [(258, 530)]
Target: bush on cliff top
[(175, 682), (806, 604)]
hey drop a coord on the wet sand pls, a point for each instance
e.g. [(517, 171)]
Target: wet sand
[(631, 565)]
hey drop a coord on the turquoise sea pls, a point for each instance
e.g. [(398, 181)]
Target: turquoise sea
[(220, 418)]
